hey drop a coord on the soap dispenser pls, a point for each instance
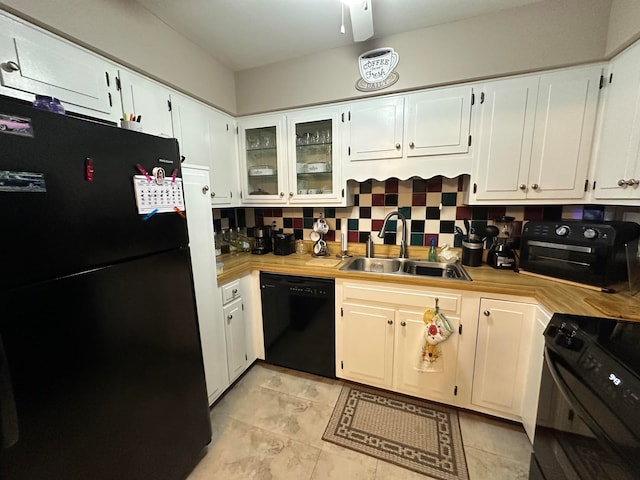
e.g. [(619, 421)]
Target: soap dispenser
[(433, 253), (369, 247)]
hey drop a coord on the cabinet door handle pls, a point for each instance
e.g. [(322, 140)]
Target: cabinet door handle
[(398, 146), (486, 313), (205, 189), (535, 186), (229, 317), (213, 194), (404, 324), (632, 181), (390, 322), (522, 186), (291, 194), (10, 66), (281, 194), (412, 145), (622, 182)]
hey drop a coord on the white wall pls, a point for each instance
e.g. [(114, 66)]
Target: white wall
[(542, 35), (624, 25), (546, 34), (129, 34)]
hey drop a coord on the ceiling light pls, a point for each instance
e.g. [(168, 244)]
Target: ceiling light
[(361, 19)]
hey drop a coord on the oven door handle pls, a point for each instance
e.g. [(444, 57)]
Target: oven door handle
[(560, 246), (552, 360)]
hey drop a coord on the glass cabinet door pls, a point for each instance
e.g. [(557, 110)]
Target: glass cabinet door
[(313, 167), (263, 168)]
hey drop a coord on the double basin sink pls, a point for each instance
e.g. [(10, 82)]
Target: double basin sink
[(407, 266)]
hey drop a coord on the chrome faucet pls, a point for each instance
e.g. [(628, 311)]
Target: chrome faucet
[(403, 240)]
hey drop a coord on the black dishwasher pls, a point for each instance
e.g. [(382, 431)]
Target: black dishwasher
[(298, 317)]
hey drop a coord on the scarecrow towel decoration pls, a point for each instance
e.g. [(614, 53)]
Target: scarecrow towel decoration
[(437, 330)]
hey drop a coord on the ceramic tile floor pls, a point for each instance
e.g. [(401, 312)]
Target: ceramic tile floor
[(269, 426)]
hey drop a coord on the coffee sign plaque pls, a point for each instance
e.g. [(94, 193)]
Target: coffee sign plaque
[(377, 69)]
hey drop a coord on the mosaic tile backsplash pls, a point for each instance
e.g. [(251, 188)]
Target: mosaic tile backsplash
[(433, 208)]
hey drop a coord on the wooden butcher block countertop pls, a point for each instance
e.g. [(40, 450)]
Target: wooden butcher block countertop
[(553, 295)]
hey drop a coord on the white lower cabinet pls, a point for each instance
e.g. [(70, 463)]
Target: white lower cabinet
[(203, 261), (227, 345), (492, 362), (534, 374), (380, 335), (440, 384), (235, 331), (502, 359), (367, 344)]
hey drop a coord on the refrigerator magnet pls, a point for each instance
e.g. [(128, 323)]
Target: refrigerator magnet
[(32, 182), (16, 125)]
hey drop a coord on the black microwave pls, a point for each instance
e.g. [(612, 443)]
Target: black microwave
[(594, 253)]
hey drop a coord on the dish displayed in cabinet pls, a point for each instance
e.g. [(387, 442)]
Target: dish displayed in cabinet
[(261, 171), (318, 167)]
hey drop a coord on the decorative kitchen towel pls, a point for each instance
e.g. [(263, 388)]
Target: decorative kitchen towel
[(437, 330)]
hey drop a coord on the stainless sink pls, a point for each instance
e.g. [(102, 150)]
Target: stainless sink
[(435, 269), (407, 266), (375, 265)]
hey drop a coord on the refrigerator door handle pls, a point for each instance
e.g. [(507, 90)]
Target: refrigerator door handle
[(8, 414)]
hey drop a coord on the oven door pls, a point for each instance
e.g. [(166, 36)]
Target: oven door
[(585, 264), (578, 436)]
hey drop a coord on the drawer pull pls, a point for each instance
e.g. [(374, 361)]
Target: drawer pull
[(234, 292)]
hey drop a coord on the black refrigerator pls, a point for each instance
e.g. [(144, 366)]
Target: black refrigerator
[(101, 372)]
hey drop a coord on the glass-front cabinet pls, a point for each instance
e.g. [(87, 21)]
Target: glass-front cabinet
[(314, 167), (296, 166), (264, 172)]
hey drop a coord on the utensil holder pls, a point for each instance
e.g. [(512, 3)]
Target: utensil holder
[(472, 253)]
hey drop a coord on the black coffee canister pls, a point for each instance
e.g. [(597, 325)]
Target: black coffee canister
[(472, 253)]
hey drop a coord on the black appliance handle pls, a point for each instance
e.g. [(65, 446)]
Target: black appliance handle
[(8, 413), (552, 359)]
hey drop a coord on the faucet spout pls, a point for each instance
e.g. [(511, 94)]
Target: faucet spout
[(403, 240)]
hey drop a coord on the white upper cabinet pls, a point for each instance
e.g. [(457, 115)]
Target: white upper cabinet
[(262, 143), (564, 129), (207, 137), (313, 162), (225, 189), (419, 134), (35, 62), (535, 136), (618, 157), (191, 128), (147, 99), (437, 122), (374, 129), (290, 158), (507, 114)]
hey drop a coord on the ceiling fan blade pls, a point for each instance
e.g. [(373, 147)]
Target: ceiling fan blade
[(361, 20)]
